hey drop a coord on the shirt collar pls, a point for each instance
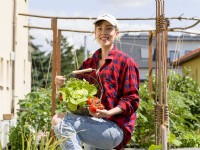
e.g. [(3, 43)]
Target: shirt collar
[(97, 54)]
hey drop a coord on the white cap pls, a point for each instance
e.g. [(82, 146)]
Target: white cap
[(111, 19)]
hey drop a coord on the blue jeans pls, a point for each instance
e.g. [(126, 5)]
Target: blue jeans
[(95, 133)]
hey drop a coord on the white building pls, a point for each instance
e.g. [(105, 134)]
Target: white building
[(15, 63)]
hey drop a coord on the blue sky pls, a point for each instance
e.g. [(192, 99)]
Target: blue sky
[(118, 8)]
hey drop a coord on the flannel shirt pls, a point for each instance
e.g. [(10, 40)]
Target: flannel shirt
[(119, 77)]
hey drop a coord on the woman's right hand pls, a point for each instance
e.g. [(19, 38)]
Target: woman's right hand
[(59, 81)]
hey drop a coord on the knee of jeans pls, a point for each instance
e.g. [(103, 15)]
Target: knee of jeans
[(57, 118), (117, 141)]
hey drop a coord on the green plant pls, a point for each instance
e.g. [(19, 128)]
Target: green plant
[(184, 113), (18, 136), (155, 147), (1, 146), (37, 107), (22, 138)]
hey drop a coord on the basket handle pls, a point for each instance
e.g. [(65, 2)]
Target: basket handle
[(82, 71)]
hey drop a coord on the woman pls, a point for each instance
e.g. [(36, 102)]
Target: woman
[(113, 126)]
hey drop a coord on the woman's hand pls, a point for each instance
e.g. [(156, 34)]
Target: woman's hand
[(105, 113), (59, 81), (99, 113)]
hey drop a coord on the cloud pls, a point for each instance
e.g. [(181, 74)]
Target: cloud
[(127, 3)]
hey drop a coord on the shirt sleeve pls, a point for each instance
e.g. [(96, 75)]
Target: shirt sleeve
[(129, 101)]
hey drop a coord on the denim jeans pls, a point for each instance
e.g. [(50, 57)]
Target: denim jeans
[(95, 133)]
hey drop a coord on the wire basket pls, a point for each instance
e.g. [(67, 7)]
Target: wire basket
[(77, 89)]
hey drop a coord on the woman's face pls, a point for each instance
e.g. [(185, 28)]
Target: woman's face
[(105, 33)]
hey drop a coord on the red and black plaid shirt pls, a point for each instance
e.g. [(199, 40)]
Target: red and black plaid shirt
[(119, 77)]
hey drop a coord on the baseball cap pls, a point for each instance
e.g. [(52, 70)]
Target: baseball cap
[(111, 19)]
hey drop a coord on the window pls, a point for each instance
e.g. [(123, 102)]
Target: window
[(173, 55), (24, 72), (29, 56), (144, 53), (7, 73), (187, 51), (154, 54), (1, 72)]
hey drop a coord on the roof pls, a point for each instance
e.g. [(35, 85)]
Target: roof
[(191, 55)]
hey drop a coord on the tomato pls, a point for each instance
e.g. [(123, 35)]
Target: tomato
[(93, 100), (89, 101), (60, 97), (92, 108), (101, 106), (96, 100), (94, 104)]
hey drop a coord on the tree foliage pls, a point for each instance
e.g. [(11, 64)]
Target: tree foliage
[(71, 58), (39, 71)]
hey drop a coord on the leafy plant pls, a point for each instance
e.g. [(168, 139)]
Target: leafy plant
[(184, 113), (22, 138), (75, 92), (37, 107), (34, 118), (18, 137)]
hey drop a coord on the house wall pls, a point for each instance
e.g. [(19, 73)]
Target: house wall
[(15, 68), (182, 47), (137, 47), (5, 51), (195, 68)]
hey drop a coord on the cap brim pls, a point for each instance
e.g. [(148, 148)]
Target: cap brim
[(114, 24)]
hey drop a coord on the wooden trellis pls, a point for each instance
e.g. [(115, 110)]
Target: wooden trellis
[(161, 103), (161, 34)]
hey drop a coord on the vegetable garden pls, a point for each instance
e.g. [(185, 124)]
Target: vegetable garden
[(184, 124)]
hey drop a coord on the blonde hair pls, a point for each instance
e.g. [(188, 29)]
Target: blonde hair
[(98, 23)]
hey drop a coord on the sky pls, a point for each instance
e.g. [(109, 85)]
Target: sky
[(93, 8)]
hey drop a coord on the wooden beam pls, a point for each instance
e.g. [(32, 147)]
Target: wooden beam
[(78, 18), (93, 18)]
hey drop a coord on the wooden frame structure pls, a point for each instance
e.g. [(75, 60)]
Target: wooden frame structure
[(161, 34)]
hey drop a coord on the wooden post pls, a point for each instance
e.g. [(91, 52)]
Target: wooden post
[(54, 68), (58, 53), (150, 63)]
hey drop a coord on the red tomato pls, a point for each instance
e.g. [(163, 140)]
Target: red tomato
[(92, 108), (96, 100), (60, 97), (89, 101), (101, 106)]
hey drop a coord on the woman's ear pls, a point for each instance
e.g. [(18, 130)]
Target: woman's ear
[(117, 35), (94, 34)]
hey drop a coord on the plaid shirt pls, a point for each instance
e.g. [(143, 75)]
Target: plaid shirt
[(119, 77)]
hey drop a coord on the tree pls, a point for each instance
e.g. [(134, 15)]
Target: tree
[(68, 57), (71, 59), (39, 71)]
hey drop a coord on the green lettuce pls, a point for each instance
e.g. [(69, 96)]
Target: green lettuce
[(76, 93)]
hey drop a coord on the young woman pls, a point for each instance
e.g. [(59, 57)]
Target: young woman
[(113, 126)]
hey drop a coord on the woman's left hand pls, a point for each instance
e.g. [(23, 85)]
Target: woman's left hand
[(99, 113)]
